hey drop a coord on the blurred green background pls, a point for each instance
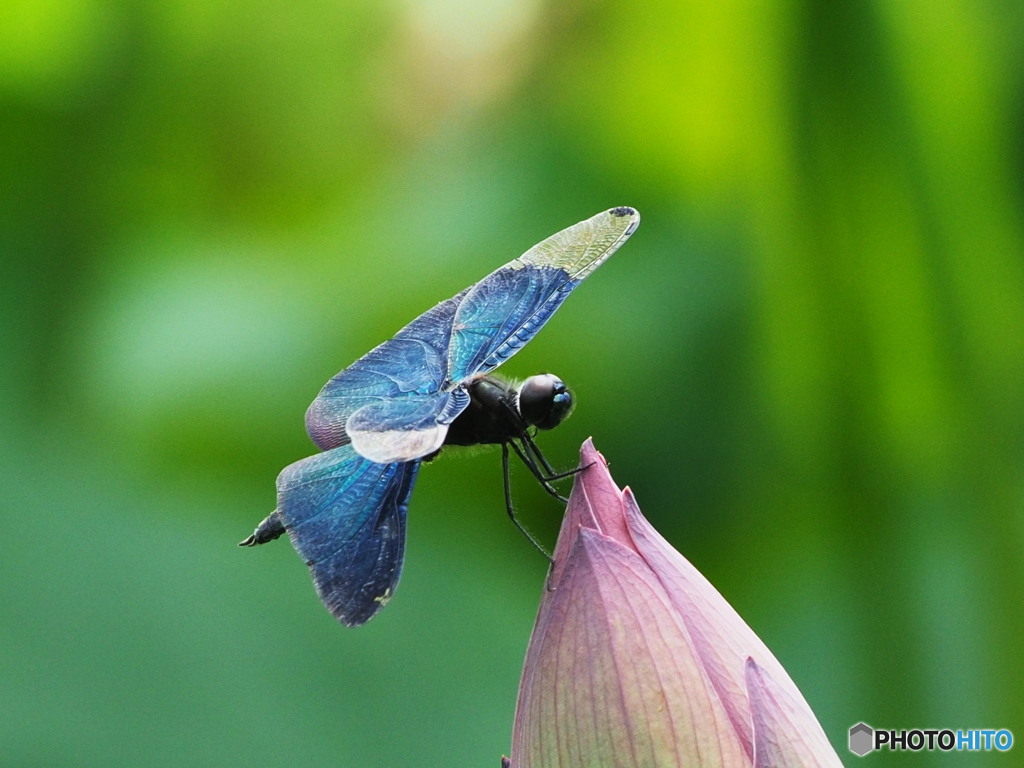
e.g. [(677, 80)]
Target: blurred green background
[(808, 363)]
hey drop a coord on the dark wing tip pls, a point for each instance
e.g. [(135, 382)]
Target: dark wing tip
[(625, 212)]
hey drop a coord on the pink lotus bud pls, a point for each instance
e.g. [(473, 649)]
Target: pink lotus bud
[(636, 660)]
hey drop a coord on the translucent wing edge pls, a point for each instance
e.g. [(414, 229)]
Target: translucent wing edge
[(393, 430), (574, 252), (397, 444), (600, 237)]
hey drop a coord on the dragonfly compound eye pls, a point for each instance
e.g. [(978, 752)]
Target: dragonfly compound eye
[(544, 401)]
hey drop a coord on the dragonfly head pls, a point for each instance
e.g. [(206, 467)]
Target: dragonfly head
[(544, 401)]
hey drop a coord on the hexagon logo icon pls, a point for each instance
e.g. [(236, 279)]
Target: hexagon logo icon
[(862, 738)]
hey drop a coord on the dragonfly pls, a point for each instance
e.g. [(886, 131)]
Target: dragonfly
[(377, 421)]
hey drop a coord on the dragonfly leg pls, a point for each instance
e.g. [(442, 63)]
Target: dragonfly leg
[(528, 454), (511, 509)]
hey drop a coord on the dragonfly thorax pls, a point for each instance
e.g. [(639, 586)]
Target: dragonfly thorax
[(498, 411)]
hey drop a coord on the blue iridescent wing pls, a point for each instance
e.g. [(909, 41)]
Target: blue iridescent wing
[(472, 333), (346, 518), (414, 362), (502, 312)]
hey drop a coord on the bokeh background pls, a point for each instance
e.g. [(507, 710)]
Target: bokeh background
[(808, 363)]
